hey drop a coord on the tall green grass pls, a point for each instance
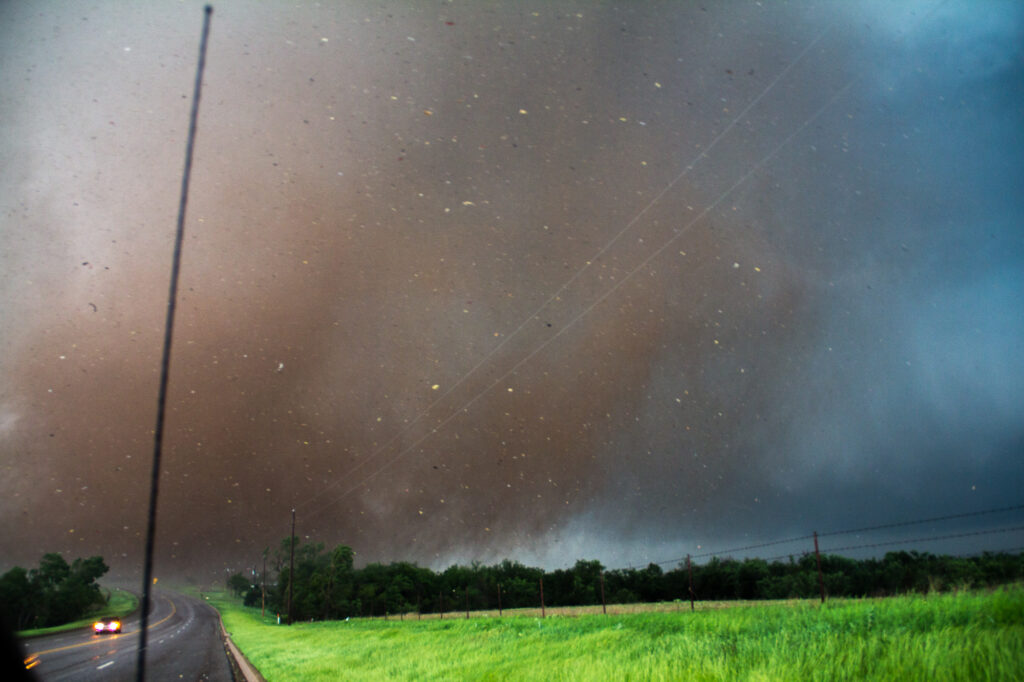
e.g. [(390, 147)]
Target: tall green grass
[(965, 636)]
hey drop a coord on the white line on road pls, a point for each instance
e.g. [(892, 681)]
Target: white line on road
[(108, 663)]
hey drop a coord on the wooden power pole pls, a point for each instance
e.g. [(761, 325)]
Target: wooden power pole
[(291, 570)]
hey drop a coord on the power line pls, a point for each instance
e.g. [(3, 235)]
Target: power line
[(919, 521), (928, 539), (703, 154), (388, 461), (676, 235), (735, 549), (885, 526), (890, 543)]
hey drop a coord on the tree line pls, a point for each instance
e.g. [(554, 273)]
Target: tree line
[(327, 586), (53, 594)]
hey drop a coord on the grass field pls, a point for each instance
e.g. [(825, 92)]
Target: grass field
[(120, 605), (964, 636)]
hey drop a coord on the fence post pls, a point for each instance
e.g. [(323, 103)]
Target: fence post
[(689, 570), (821, 578), (604, 607), (542, 614)]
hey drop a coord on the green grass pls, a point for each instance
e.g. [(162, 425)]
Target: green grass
[(120, 605), (965, 636)]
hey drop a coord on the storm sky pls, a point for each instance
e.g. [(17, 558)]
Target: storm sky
[(547, 281)]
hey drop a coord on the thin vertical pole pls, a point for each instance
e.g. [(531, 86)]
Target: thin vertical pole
[(165, 364), (604, 607), (542, 614), (689, 570), (440, 604), (467, 602), (821, 578), (291, 571), (263, 579), (499, 600)]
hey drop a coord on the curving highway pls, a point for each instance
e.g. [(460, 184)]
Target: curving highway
[(184, 643)]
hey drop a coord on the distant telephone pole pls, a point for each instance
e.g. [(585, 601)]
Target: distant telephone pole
[(817, 557), (263, 580), (689, 570), (291, 570)]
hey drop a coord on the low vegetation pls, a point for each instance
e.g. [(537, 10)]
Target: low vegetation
[(953, 636)]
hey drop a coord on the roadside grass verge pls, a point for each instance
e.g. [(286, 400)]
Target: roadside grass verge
[(120, 605), (963, 636)]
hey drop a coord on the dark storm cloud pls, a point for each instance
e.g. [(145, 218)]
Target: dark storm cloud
[(434, 297), (904, 394)]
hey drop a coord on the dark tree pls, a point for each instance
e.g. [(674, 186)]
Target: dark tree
[(328, 586), (19, 599), (53, 594), (238, 584)]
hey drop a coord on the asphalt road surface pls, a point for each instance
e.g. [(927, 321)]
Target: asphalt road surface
[(184, 643)]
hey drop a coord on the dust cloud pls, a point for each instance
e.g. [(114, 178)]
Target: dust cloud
[(505, 279)]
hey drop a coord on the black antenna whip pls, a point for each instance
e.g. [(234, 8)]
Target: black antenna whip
[(158, 433)]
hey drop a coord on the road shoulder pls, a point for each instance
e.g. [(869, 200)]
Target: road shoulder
[(240, 665)]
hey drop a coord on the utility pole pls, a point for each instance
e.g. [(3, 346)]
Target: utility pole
[(263, 576), (291, 570), (689, 569), (821, 578)]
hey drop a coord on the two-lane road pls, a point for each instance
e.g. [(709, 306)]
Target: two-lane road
[(184, 643)]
